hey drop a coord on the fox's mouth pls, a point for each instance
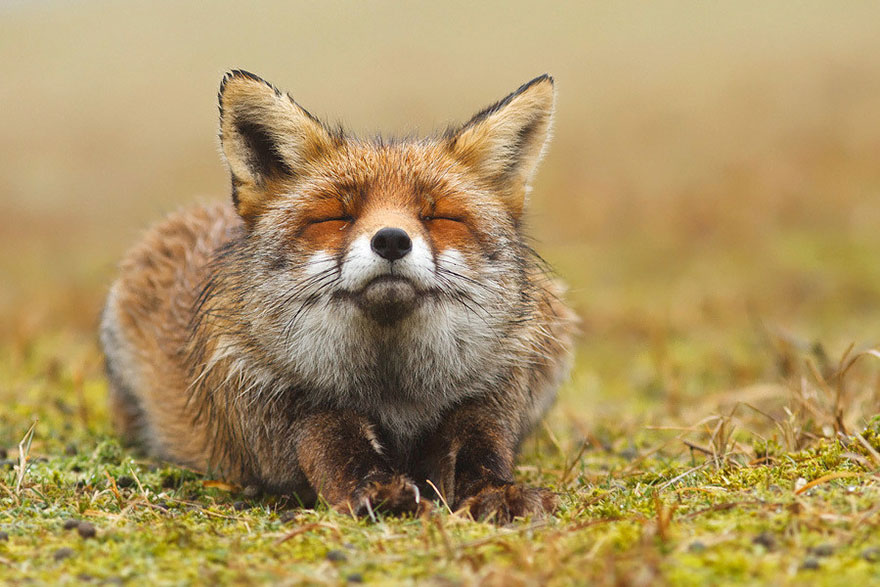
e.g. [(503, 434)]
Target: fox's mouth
[(387, 298)]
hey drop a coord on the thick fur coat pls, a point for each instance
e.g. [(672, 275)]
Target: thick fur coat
[(364, 318)]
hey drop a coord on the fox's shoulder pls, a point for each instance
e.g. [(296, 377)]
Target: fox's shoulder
[(195, 230), (171, 258)]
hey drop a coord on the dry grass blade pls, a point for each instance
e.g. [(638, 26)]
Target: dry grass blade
[(678, 478), (442, 497), (297, 532), (875, 456), (825, 479), (137, 480), (664, 516), (221, 485), (113, 487), (24, 448), (308, 528), (564, 478)]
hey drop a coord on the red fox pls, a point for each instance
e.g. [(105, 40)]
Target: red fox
[(364, 324)]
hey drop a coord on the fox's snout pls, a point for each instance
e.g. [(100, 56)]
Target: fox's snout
[(391, 243)]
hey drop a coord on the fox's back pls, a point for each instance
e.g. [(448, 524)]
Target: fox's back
[(146, 321)]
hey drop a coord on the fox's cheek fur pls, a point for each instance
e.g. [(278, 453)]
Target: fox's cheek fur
[(319, 264)]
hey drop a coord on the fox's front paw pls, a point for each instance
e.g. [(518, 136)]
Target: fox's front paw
[(395, 495), (502, 503)]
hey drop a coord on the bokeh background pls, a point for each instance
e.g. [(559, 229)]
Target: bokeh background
[(712, 193)]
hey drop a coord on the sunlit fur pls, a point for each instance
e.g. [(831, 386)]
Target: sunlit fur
[(225, 329)]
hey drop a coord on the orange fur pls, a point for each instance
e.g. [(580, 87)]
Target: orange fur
[(366, 318)]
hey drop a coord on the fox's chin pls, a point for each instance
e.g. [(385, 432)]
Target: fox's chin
[(388, 300)]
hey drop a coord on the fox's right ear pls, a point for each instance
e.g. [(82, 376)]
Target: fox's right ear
[(265, 136), (504, 143)]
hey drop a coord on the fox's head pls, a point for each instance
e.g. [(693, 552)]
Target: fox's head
[(387, 236)]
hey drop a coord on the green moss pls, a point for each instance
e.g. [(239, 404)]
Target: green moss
[(628, 511)]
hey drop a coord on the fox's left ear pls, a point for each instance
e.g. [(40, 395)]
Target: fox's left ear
[(265, 136), (504, 142)]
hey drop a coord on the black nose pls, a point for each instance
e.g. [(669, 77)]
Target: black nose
[(391, 243)]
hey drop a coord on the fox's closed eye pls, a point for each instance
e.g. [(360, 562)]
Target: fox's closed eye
[(448, 218), (332, 219)]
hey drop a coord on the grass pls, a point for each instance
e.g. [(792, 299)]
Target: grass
[(751, 493), (711, 197)]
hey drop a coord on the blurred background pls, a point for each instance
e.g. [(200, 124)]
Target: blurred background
[(712, 193)]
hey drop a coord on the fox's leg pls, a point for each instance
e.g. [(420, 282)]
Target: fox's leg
[(343, 461), (470, 459)]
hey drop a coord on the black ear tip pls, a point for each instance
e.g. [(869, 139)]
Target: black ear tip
[(241, 74), (543, 78)]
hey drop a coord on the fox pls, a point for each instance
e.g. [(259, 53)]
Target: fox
[(364, 324)]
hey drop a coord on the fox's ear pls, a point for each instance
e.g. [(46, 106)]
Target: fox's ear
[(504, 142), (265, 136)]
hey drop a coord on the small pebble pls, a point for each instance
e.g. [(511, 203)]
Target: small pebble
[(63, 553), (810, 564), (252, 491), (241, 505), (629, 453), (86, 530), (71, 524), (765, 539), (3, 536), (355, 578), (697, 546), (872, 555), (336, 556), (822, 550), (124, 481)]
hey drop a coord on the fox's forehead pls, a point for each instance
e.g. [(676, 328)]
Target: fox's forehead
[(398, 174)]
